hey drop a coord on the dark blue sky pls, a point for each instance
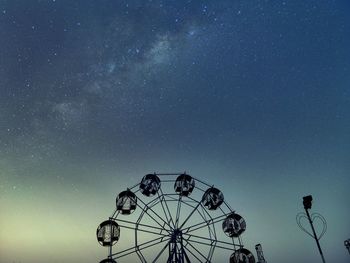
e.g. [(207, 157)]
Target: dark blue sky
[(252, 96)]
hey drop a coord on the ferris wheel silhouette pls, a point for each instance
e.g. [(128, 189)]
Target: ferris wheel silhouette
[(174, 220)]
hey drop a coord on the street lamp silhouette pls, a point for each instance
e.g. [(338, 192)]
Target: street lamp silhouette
[(307, 202)]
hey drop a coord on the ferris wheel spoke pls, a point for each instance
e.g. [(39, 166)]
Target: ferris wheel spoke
[(186, 256), (211, 228), (155, 220), (171, 197), (211, 252), (141, 257), (139, 224), (165, 208), (150, 208), (195, 256), (211, 240), (160, 253), (203, 209), (143, 230), (139, 247), (198, 252), (217, 243), (189, 216), (204, 223), (202, 213), (178, 211)]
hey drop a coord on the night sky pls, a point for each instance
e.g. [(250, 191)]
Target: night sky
[(252, 96)]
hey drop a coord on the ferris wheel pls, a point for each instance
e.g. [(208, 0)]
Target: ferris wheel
[(175, 219)]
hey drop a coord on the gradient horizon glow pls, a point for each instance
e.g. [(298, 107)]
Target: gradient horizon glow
[(252, 96)]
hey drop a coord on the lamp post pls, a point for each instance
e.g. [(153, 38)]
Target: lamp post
[(307, 202)]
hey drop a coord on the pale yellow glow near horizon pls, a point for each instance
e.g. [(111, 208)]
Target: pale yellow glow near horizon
[(42, 230)]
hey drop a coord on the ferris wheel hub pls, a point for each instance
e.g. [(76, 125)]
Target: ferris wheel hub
[(176, 235)]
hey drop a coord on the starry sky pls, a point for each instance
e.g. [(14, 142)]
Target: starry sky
[(250, 95)]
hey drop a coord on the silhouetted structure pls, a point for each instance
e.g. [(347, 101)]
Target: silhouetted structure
[(177, 221), (260, 254), (307, 202), (347, 245)]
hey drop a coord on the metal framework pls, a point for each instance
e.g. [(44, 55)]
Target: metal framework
[(174, 226)]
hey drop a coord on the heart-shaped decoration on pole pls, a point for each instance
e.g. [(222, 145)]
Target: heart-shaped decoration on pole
[(302, 219), (307, 202)]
